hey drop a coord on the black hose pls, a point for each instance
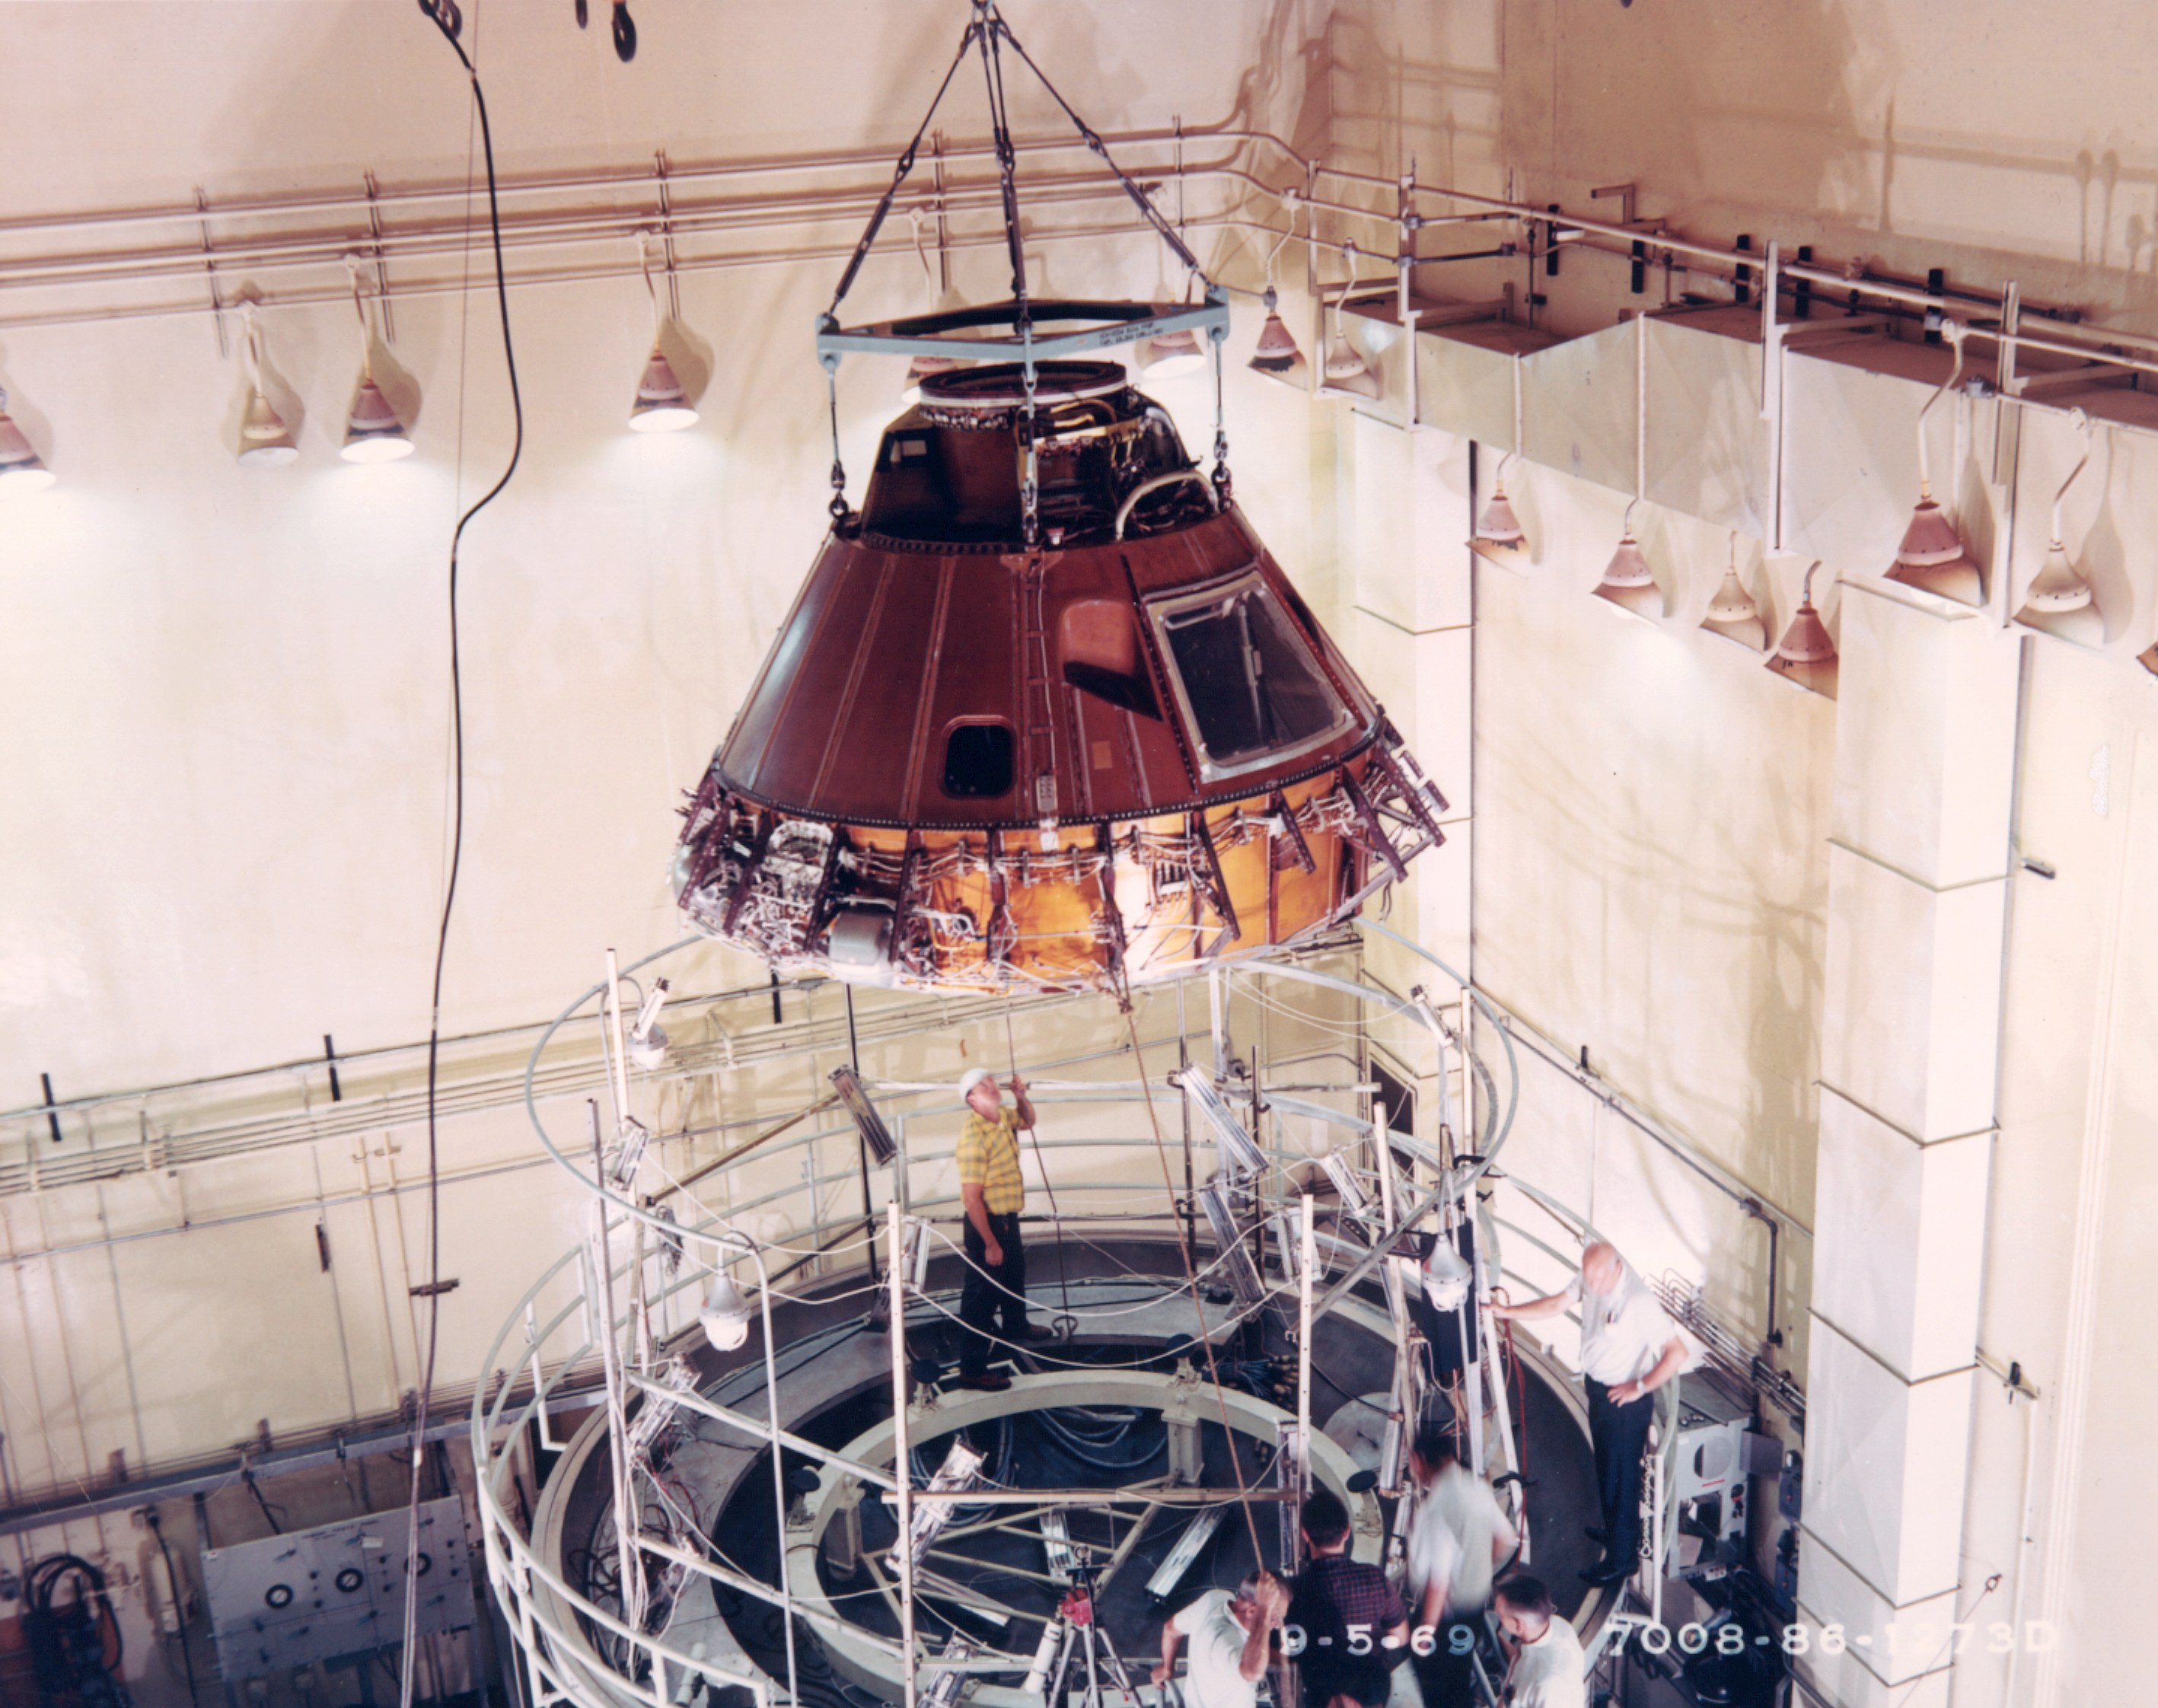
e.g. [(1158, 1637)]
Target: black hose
[(179, 1603)]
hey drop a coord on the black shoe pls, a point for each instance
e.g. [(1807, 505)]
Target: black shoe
[(990, 1382), (1032, 1331), (1607, 1572), (1597, 1535)]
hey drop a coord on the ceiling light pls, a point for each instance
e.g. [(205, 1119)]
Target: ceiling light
[(660, 407), (2059, 601), (1499, 536), (646, 1046), (724, 1318), (1933, 557), (1277, 356), (1171, 354), (923, 368), (1445, 1276), (1627, 582), (1806, 655), (2148, 657), (266, 441), (373, 433), (1733, 612), (1347, 374), (21, 469)]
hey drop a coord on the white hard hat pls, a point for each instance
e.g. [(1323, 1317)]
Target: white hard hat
[(973, 1076)]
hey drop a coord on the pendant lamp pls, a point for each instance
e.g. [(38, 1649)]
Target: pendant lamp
[(373, 431), (1627, 583), (21, 469), (265, 440), (1277, 356), (1733, 612), (1346, 374), (1806, 656), (1499, 536), (2059, 601), (1933, 557), (660, 405)]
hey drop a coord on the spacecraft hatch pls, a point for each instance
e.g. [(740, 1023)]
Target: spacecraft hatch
[(967, 762)]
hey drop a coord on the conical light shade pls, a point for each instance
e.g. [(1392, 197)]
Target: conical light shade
[(1499, 535), (1733, 614), (2148, 657), (921, 368), (660, 405), (2059, 601), (265, 440), (724, 1318), (1277, 356), (21, 468), (1933, 557), (1806, 655), (373, 433), (1172, 354), (1347, 372), (1628, 584)]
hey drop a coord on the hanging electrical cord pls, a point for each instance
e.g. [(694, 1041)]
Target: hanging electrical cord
[(444, 15), (180, 1603), (1068, 1323)]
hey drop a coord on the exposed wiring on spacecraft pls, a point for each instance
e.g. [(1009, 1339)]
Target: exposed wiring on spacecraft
[(443, 14)]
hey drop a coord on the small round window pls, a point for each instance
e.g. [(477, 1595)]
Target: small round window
[(977, 762)]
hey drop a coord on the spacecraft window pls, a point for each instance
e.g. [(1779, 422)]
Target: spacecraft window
[(977, 762), (1246, 680)]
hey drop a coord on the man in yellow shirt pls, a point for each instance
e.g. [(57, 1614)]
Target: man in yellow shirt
[(993, 1193)]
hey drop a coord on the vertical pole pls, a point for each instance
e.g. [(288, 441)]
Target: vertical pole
[(618, 1058), (778, 1473), (601, 1289), (1218, 1020), (1307, 1268), (902, 1460)]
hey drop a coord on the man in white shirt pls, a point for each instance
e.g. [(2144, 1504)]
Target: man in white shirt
[(1549, 1669), (1630, 1348), (1228, 1638), (1457, 1537)]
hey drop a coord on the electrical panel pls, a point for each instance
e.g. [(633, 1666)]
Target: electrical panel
[(1709, 1480), (307, 1598)]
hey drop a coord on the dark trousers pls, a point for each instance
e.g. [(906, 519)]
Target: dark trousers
[(1446, 1679), (991, 1293), (1619, 1432)]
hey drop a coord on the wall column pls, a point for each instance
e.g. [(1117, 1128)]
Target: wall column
[(1924, 768)]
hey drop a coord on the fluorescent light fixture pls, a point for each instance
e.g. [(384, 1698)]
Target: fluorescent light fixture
[(1236, 1155), (1181, 1558), (21, 469), (961, 1470), (1350, 1190), (647, 1043), (1229, 1241), (883, 1147)]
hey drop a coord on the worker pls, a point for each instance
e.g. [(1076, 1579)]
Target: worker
[(1549, 1669), (1458, 1536), (1351, 1618), (1229, 1635), (993, 1195), (1630, 1348)]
